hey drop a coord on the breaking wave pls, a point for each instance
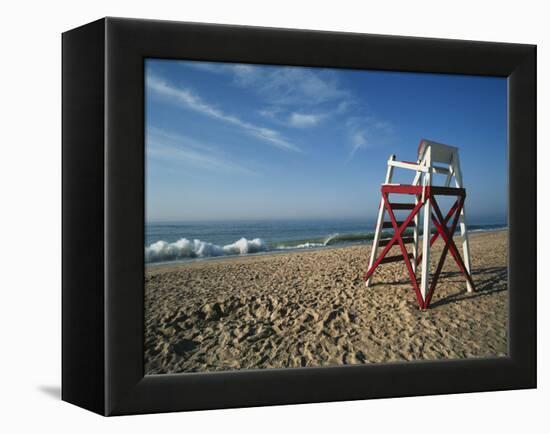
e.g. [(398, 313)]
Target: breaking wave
[(162, 251), (186, 249), (327, 241)]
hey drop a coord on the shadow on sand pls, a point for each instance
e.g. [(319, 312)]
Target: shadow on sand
[(487, 280)]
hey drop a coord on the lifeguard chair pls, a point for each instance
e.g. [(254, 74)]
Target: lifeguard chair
[(433, 158)]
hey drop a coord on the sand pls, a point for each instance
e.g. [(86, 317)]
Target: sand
[(312, 308)]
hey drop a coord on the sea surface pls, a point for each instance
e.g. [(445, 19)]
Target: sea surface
[(184, 241)]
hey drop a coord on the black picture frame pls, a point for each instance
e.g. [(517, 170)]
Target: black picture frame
[(103, 215)]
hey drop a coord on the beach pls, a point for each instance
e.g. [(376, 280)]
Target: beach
[(312, 308)]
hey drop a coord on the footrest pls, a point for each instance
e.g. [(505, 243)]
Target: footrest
[(397, 206), (387, 225), (396, 258), (386, 241)]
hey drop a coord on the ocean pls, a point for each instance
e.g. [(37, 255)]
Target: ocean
[(167, 242)]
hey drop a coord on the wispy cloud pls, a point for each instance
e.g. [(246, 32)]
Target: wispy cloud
[(241, 73), (367, 131), (302, 120), (172, 147), (358, 141), (244, 75), (293, 119), (271, 113), (302, 86), (190, 100), (308, 97), (281, 85)]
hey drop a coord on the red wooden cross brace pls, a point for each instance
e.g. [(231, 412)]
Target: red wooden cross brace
[(447, 236), (397, 237), (442, 230), (456, 208), (436, 235)]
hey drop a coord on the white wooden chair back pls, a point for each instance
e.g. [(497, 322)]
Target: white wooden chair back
[(439, 153), (436, 157)]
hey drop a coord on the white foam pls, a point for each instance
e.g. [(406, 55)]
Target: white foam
[(244, 246), (311, 245), (185, 249), (330, 238)]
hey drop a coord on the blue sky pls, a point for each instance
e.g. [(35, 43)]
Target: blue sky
[(235, 141)]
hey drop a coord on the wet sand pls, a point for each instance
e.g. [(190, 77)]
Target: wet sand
[(312, 308)]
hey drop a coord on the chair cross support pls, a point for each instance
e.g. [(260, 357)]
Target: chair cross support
[(397, 237), (432, 159), (446, 234), (424, 195)]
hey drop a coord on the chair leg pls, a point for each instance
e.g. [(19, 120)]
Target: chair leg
[(426, 249), (465, 246), (380, 219), (374, 249), (463, 227), (415, 239)]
